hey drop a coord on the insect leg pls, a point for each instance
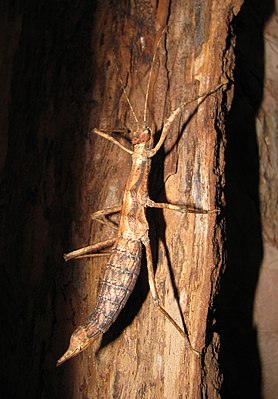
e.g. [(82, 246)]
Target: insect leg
[(179, 208), (101, 216), (173, 116), (110, 138), (156, 300), (91, 248)]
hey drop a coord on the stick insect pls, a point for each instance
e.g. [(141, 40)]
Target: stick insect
[(124, 263)]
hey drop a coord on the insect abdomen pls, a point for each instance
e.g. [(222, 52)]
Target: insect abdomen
[(119, 279)]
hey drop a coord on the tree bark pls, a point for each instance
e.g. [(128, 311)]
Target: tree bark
[(142, 356)]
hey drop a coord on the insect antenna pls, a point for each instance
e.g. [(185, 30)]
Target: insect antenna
[(124, 91), (150, 75)]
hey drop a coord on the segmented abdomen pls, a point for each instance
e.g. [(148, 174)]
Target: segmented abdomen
[(120, 275)]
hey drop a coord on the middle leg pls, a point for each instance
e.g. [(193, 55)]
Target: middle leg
[(80, 253), (179, 208), (101, 216)]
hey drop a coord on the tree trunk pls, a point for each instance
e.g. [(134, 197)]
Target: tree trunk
[(55, 173), (142, 355)]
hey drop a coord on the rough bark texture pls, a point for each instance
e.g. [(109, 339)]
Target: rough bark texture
[(61, 81)]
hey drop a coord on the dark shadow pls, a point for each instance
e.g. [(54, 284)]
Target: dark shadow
[(156, 218), (50, 78), (239, 358)]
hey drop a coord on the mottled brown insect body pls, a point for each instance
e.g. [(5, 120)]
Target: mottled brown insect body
[(123, 266), (120, 275)]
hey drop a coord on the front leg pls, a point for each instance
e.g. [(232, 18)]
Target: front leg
[(173, 116), (110, 138)]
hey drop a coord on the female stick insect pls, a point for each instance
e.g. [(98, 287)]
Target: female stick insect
[(123, 266)]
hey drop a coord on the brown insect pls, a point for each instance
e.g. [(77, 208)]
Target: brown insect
[(124, 263)]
